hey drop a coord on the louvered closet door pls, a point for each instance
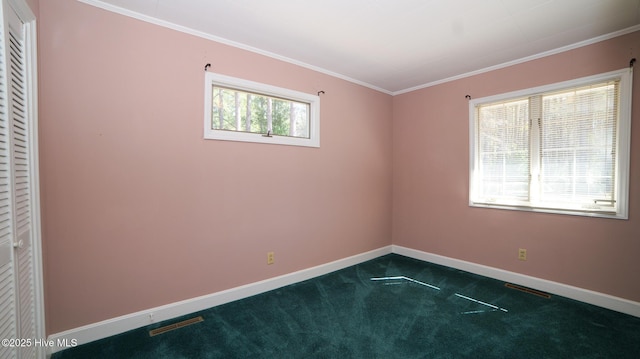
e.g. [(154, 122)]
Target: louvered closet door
[(8, 306), (17, 311), (16, 68)]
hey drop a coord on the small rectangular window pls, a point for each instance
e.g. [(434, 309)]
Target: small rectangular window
[(561, 148), (241, 110)]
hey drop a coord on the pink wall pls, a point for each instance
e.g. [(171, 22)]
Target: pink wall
[(140, 211), (431, 181)]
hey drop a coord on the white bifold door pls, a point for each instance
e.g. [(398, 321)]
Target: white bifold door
[(21, 309)]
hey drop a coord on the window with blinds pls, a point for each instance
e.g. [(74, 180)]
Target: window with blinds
[(562, 148)]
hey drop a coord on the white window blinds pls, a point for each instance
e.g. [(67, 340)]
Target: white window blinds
[(578, 145), (504, 150), (561, 148)]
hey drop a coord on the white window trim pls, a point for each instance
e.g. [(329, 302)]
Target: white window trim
[(256, 87), (623, 135)]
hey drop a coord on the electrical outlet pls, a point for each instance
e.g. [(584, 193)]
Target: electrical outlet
[(270, 258), (522, 254)]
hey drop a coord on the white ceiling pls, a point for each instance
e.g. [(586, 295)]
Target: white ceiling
[(393, 45)]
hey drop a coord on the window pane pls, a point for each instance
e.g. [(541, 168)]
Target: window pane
[(578, 139), (235, 110), (503, 150), (578, 133)]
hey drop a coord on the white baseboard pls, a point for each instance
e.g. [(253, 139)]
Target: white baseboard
[(584, 295), (107, 328)]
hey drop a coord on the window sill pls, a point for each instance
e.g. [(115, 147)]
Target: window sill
[(611, 214), (259, 138)]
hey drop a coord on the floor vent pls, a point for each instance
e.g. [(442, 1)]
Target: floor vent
[(528, 290), (170, 327)]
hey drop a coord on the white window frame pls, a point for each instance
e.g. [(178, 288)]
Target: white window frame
[(213, 79), (623, 135)]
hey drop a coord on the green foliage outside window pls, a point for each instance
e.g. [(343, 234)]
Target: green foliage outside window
[(235, 110)]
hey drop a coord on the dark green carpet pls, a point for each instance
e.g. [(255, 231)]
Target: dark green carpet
[(346, 314)]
